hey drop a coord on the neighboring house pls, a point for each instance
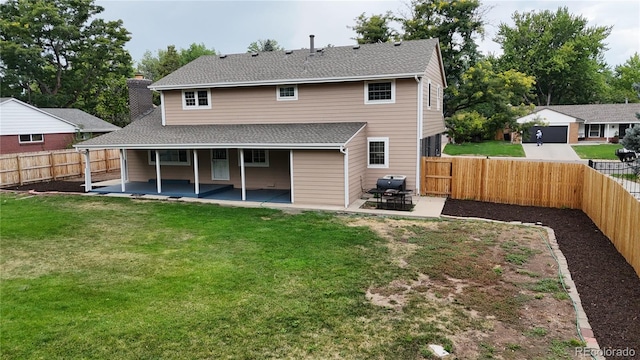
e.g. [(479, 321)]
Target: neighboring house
[(322, 124), (26, 128), (572, 123)]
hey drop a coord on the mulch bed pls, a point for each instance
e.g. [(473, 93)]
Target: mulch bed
[(608, 286)]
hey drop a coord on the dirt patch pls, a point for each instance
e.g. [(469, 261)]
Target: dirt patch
[(511, 296), (608, 286), (75, 184)]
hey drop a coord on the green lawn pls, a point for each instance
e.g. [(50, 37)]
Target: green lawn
[(112, 278), (486, 148), (600, 151)]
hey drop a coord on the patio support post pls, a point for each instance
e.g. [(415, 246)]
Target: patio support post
[(195, 171), (87, 171), (158, 179), (123, 171), (242, 176), (291, 172), (346, 178), (607, 133)]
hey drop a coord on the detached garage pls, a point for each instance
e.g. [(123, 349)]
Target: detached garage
[(550, 134)]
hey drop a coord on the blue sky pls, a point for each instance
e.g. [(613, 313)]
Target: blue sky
[(230, 26)]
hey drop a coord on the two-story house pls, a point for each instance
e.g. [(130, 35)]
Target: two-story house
[(320, 124)]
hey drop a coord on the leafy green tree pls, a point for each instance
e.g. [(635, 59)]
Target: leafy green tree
[(466, 126), (193, 52), (560, 50), (59, 53), (264, 45), (456, 23), (374, 29), (170, 62), (622, 81), (499, 97)]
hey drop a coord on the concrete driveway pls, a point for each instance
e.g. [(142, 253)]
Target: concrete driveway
[(551, 152)]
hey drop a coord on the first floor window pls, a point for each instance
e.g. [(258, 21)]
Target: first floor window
[(256, 158), (594, 130), (170, 157), (196, 99), (378, 152), (31, 138)]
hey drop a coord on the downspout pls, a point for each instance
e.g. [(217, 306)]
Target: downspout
[(345, 152), (419, 120)]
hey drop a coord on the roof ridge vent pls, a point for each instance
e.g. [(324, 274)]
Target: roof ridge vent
[(397, 43), (254, 54), (356, 47), (288, 52), (222, 56)]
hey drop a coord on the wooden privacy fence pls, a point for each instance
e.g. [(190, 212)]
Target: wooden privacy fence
[(547, 184), (23, 168)]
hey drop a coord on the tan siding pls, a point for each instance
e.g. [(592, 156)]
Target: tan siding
[(318, 177), (433, 120), (357, 165)]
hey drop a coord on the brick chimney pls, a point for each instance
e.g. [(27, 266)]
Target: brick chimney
[(140, 96)]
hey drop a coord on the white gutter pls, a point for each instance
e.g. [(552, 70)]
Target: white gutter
[(346, 176), (282, 81), (332, 146), (419, 124)]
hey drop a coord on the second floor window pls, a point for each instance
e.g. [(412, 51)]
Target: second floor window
[(196, 99), (379, 92), (287, 92)]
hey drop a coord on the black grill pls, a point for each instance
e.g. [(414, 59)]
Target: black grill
[(392, 182)]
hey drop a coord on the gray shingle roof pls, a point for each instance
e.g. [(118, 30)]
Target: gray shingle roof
[(148, 133), (599, 113), (367, 61), (86, 122)]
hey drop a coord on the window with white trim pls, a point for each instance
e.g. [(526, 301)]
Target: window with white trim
[(255, 158), (287, 92), (378, 152), (429, 94), (171, 157), (595, 130), (30, 138), (196, 99), (380, 92)]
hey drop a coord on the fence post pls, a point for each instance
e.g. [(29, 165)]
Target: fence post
[(106, 159), (53, 165), (19, 169)]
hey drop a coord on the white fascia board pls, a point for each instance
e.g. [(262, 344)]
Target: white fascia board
[(284, 81), (336, 146)]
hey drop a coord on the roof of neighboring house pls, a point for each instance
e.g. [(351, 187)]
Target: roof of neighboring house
[(86, 122), (148, 133), (339, 63), (599, 113)]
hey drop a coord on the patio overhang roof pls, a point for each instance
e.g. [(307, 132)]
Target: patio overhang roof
[(149, 133)]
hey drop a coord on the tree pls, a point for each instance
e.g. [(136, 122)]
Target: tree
[(622, 81), (456, 23), (58, 53), (489, 100), (166, 61), (374, 29), (264, 45), (193, 52), (631, 138), (560, 50), (170, 62)]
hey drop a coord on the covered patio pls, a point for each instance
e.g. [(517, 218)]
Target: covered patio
[(207, 191)]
